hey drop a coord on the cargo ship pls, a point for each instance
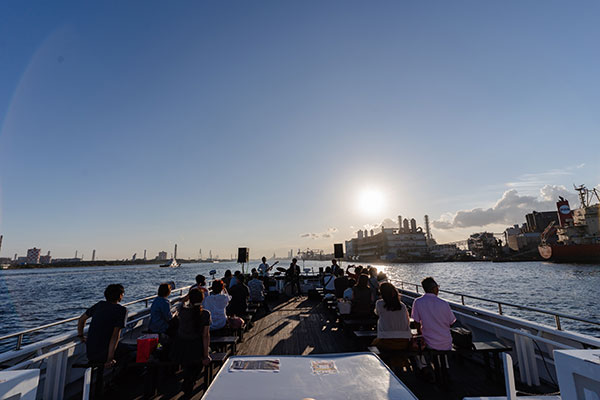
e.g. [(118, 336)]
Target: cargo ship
[(578, 231)]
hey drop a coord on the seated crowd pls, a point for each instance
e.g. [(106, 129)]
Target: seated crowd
[(185, 331)]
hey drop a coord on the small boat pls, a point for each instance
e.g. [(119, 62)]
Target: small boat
[(173, 263)]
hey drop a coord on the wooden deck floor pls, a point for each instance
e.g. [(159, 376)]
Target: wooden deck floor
[(296, 327)]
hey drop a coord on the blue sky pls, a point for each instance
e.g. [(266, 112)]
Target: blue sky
[(135, 125)]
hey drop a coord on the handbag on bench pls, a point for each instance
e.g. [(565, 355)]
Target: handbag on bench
[(462, 338)]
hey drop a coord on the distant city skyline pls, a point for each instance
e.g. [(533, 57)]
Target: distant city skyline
[(285, 125)]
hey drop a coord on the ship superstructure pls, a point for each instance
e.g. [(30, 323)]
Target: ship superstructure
[(578, 230)]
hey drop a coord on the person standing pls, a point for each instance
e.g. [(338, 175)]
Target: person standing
[(294, 276), (108, 318), (190, 348), (263, 269), (335, 267)]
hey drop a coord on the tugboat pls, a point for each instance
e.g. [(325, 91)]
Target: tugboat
[(578, 231), (173, 263)]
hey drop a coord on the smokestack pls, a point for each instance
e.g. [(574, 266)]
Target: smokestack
[(427, 230), (405, 225), (413, 225), (360, 234), (75, 253), (371, 232), (144, 254), (399, 223), (94, 255), (1, 237), (175, 253)]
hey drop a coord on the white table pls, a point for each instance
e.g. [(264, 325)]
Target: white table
[(359, 376), (20, 384)]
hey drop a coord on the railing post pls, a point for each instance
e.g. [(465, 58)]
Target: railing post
[(462, 299), (19, 341), (557, 320), (500, 308)]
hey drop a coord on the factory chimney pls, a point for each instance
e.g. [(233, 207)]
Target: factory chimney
[(399, 223), (144, 254), (94, 255), (360, 234), (405, 224), (175, 252), (413, 225), (427, 230)]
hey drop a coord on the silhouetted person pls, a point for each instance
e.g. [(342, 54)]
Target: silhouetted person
[(108, 318)]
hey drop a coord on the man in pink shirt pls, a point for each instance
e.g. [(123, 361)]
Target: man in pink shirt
[(434, 315)]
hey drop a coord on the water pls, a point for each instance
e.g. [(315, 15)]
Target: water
[(34, 297)]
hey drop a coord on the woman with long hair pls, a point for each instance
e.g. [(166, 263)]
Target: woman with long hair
[(393, 325)]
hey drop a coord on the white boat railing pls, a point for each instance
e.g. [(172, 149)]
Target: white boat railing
[(499, 304), (21, 334)]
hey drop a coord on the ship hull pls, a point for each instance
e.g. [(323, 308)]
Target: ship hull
[(573, 253)]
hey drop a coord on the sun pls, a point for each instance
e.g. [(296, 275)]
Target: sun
[(371, 201)]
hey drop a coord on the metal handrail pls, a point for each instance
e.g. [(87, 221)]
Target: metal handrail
[(19, 335), (557, 315)]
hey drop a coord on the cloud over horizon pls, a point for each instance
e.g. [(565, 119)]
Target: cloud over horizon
[(325, 235), (510, 209)]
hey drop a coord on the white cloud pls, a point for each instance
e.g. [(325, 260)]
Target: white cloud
[(509, 209), (327, 234)]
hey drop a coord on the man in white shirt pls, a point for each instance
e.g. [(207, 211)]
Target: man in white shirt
[(263, 269)]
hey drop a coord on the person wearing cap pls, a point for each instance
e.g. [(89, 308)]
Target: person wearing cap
[(434, 317)]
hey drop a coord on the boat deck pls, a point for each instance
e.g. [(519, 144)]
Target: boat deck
[(300, 326)]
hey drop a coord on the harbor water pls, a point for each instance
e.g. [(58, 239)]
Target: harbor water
[(33, 297)]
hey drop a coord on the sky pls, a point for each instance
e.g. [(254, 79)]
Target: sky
[(281, 125)]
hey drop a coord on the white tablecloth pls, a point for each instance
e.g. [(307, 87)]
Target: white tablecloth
[(359, 376)]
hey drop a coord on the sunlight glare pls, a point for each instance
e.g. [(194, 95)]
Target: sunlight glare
[(371, 201)]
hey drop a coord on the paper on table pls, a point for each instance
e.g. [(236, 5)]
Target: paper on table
[(323, 367), (255, 365)]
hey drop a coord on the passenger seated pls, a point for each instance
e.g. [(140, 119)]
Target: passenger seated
[(393, 325), (216, 303), (340, 283), (227, 278), (257, 291), (373, 284), (108, 318), (239, 298), (328, 281), (434, 315), (193, 338), (201, 285), (160, 311), (350, 290), (361, 298)]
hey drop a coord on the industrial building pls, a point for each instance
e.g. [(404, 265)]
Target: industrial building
[(33, 256), (406, 242)]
